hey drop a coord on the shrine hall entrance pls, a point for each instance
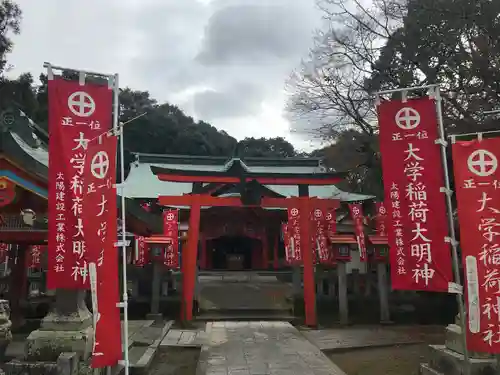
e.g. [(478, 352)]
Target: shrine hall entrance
[(234, 253)]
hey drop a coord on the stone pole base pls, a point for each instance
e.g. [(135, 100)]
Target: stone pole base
[(66, 328), (448, 359), (5, 328)]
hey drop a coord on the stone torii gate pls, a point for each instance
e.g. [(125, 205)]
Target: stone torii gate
[(245, 179)]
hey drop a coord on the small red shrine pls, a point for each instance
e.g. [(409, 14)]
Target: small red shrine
[(236, 208)]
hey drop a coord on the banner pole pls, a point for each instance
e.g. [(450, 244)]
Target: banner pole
[(452, 240), (119, 128)]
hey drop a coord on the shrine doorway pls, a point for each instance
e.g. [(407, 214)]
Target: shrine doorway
[(234, 253)]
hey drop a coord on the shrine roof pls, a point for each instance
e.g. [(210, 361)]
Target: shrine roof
[(22, 137), (142, 183), (193, 160), (22, 146)]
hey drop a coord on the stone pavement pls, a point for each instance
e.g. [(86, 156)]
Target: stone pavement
[(261, 348), (184, 338), (356, 338), (243, 291)]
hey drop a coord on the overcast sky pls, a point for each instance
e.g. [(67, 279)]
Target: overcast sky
[(223, 61)]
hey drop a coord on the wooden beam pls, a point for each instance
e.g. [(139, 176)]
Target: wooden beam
[(271, 180), (207, 200)]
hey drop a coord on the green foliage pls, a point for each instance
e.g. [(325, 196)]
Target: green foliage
[(10, 22), (263, 147), (153, 128)]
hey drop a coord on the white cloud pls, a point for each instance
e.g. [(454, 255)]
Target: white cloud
[(224, 61)]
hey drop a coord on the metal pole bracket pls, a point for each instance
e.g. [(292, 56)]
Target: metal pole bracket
[(441, 141), (447, 191), (451, 241)]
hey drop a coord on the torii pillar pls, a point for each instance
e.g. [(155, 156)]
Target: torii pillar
[(195, 201), (307, 259), (189, 255)]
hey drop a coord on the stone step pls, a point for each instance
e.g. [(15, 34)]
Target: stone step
[(184, 338), (253, 295), (245, 315), (143, 351), (140, 358), (449, 362), (425, 369)]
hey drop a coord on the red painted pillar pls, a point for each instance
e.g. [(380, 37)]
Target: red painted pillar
[(203, 255), (275, 252), (265, 251), (189, 260), (307, 258)]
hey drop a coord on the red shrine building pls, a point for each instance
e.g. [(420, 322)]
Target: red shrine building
[(232, 238), (232, 210), (236, 222)]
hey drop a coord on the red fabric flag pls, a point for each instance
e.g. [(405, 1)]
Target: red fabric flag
[(77, 114), (34, 256), (294, 243), (331, 230), (331, 223), (99, 216), (286, 243), (171, 232), (381, 219), (477, 181), (413, 176), (359, 230), (319, 236), (4, 251), (141, 259)]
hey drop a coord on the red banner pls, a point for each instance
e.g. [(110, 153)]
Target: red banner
[(99, 218), (413, 176), (171, 232), (331, 223), (34, 257), (381, 219), (77, 114), (286, 243), (359, 230), (140, 259), (477, 180), (4, 251), (294, 236), (319, 234)]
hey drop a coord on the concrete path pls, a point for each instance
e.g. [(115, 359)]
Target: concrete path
[(261, 348)]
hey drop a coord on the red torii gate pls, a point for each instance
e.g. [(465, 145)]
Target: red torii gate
[(196, 201)]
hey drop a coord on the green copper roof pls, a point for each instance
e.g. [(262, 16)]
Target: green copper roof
[(141, 183)]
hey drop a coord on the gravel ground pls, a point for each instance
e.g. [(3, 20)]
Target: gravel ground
[(402, 360), (175, 361), (394, 360)]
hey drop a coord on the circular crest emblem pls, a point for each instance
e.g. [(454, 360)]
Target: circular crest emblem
[(407, 118)]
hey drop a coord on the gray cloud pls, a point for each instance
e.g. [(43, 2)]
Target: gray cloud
[(254, 33), (225, 61), (239, 100)]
